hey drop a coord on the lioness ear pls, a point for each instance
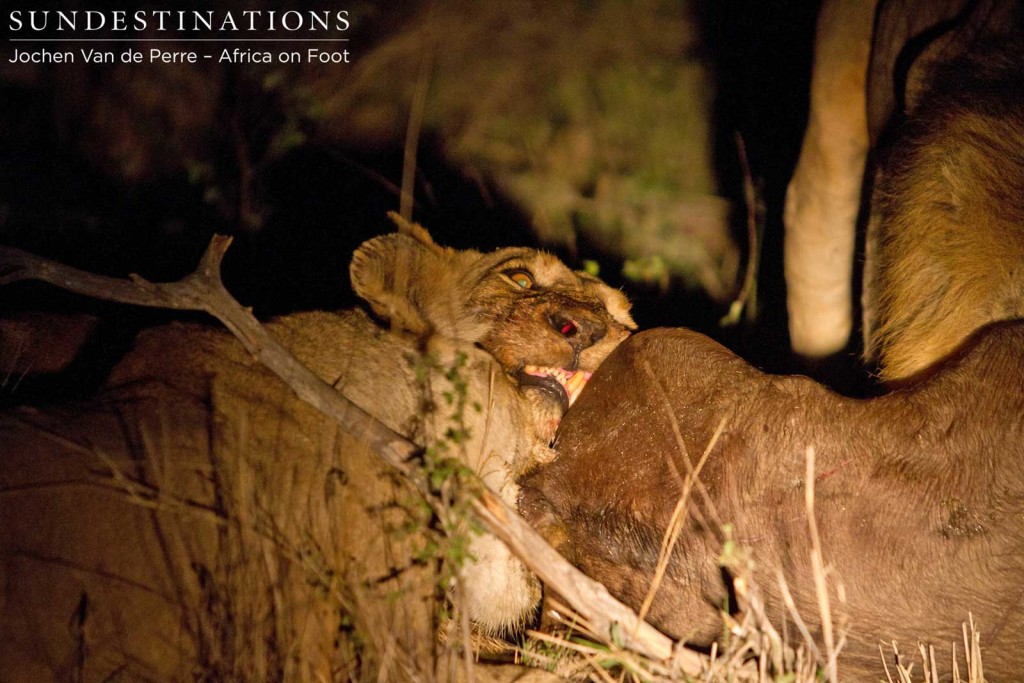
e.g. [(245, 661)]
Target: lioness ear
[(615, 301), (618, 306), (383, 271)]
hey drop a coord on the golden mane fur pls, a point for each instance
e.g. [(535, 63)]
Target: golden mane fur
[(948, 255)]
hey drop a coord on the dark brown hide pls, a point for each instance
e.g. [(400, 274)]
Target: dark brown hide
[(919, 494)]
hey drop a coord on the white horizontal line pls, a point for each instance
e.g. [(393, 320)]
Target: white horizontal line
[(178, 40)]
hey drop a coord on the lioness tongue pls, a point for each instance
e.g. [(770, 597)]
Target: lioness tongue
[(572, 381)]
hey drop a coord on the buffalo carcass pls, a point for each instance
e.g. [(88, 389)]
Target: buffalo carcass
[(919, 493)]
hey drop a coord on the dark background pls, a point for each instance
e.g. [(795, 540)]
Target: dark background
[(55, 202)]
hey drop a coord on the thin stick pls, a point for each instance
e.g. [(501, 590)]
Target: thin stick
[(675, 525), (747, 297), (787, 598), (412, 132)]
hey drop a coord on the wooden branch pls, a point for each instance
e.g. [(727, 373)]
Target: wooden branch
[(204, 291), (588, 597)]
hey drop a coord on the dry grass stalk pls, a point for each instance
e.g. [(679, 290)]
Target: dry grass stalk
[(820, 574), (972, 652), (930, 671), (414, 126), (580, 653), (675, 525)]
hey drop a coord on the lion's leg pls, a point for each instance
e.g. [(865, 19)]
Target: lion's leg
[(824, 195)]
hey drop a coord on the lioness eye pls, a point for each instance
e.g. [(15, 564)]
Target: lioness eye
[(520, 277)]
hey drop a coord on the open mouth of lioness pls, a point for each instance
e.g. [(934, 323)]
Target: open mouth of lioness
[(563, 385)]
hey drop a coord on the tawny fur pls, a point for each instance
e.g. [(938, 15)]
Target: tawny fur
[(947, 195), (949, 249)]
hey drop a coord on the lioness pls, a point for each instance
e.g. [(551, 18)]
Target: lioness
[(196, 519)]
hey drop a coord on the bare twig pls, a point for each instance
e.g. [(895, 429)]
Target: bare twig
[(747, 297), (586, 596), (203, 290), (414, 127)]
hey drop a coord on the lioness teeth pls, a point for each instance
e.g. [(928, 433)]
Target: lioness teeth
[(572, 381), (574, 385)]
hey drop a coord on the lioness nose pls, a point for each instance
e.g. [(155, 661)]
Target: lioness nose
[(580, 331)]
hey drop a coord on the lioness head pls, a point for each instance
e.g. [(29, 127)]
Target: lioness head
[(547, 326)]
